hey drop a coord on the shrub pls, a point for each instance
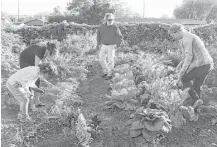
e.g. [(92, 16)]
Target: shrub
[(148, 36)]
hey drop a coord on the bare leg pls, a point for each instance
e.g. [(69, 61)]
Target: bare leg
[(36, 98), (32, 104)]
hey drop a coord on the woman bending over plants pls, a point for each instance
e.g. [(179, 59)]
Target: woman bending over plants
[(22, 84)]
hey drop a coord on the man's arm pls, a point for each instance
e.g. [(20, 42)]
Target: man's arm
[(119, 37), (188, 57)]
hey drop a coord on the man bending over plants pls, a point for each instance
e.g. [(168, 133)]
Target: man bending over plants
[(197, 63), (32, 56), (109, 38), (22, 84)]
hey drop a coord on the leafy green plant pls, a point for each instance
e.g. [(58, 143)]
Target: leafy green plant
[(94, 126), (82, 133), (149, 122), (121, 102)]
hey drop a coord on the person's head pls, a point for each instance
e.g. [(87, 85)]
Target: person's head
[(52, 49), (48, 69), (109, 18), (176, 31)]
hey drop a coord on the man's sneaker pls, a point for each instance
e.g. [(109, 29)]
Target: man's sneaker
[(193, 115), (188, 112), (27, 119), (184, 111), (40, 105), (108, 77), (197, 104), (33, 108), (109, 93), (20, 115)]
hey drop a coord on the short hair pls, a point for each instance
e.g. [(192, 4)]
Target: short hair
[(51, 47), (176, 27), (48, 68), (109, 14)]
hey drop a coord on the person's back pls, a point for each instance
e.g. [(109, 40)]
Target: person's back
[(27, 56), (201, 55), (25, 76)]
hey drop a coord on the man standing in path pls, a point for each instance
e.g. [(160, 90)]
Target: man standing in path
[(197, 63), (32, 56), (109, 39)]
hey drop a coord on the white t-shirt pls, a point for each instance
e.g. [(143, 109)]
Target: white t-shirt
[(26, 76)]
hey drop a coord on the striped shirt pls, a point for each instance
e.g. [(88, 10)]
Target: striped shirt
[(196, 54)]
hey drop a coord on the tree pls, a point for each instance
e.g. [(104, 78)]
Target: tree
[(193, 9), (57, 10), (212, 15), (93, 11)]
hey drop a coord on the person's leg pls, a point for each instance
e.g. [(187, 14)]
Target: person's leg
[(186, 81), (102, 59), (37, 94), (26, 106), (19, 94), (198, 72), (199, 80), (31, 101), (111, 56)]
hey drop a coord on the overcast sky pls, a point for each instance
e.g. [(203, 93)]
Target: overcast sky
[(153, 8)]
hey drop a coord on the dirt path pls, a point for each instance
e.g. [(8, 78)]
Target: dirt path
[(93, 92)]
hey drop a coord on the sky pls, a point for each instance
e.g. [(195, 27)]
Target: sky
[(153, 8)]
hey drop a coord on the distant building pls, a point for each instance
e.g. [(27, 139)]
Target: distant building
[(186, 22), (35, 22)]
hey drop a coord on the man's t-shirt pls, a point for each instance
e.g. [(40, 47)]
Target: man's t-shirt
[(27, 56)]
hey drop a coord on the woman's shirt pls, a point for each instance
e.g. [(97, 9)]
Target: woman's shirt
[(26, 76)]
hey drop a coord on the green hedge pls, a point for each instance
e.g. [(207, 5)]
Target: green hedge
[(148, 36)]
